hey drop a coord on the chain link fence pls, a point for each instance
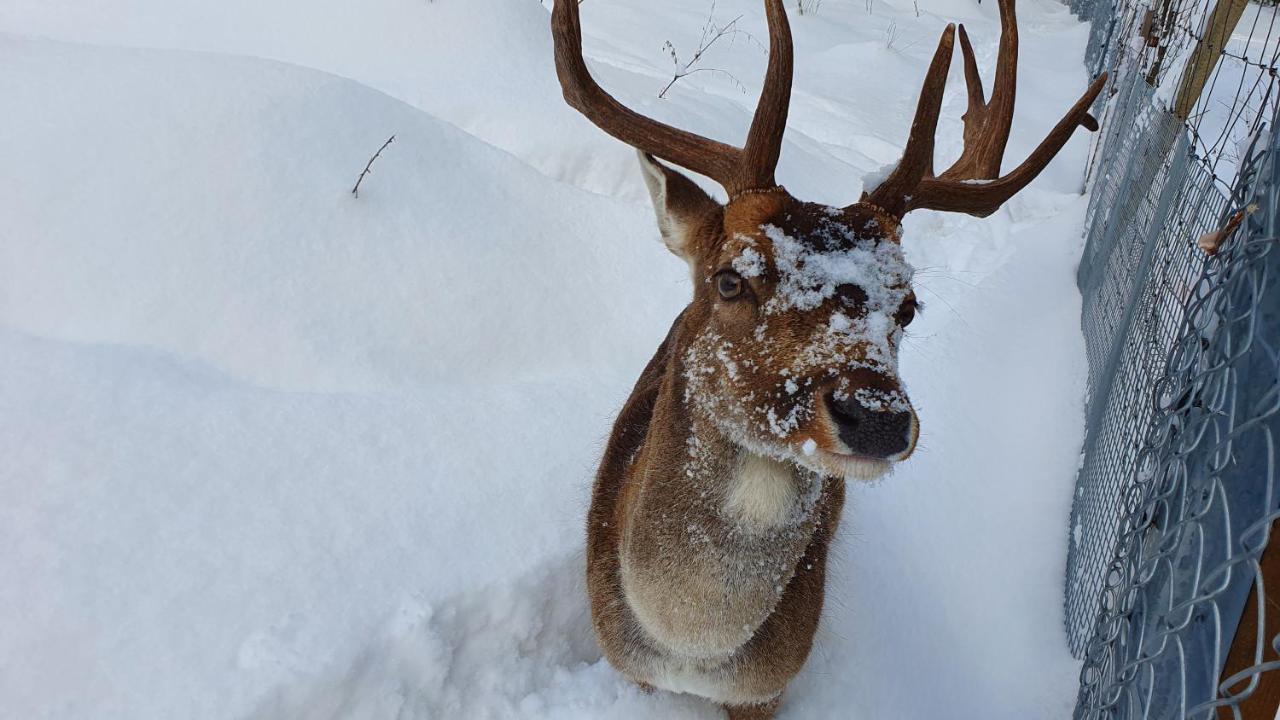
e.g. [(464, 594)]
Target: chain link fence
[(1177, 489)]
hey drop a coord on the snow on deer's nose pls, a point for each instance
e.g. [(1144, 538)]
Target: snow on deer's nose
[(874, 420)]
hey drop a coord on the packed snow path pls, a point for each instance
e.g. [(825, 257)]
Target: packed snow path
[(268, 451)]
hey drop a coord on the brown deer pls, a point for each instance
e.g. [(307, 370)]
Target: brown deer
[(723, 479)]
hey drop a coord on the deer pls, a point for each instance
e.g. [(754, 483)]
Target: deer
[(723, 479)]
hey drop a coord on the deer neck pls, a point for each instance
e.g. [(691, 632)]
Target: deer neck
[(713, 532)]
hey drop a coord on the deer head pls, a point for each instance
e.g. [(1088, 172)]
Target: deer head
[(790, 345)]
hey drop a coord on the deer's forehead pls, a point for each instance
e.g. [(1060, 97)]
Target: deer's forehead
[(808, 264), (821, 223)]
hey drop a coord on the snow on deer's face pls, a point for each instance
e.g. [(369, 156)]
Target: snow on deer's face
[(798, 358)]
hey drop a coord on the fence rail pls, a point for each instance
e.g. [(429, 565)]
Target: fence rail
[(1177, 490)]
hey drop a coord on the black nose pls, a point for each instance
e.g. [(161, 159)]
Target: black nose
[(874, 433)]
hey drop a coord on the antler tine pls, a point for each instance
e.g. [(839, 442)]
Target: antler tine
[(764, 140), (983, 198), (973, 183), (917, 158), (972, 79), (987, 124), (1004, 88), (716, 160), (736, 169)]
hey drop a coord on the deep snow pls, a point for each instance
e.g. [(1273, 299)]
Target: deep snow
[(269, 451)]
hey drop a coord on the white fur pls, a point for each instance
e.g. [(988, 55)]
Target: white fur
[(762, 493), (685, 676), (679, 676), (674, 233)]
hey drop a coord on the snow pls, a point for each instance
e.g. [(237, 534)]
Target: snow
[(808, 276), (872, 179), (749, 263), (880, 400), (270, 451)]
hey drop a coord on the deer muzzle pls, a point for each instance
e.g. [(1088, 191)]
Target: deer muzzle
[(871, 418)]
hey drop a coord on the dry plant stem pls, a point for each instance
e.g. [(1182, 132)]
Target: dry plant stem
[(737, 169), (708, 39), (891, 34), (368, 168)]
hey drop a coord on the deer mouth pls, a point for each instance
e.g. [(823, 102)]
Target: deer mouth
[(829, 454), (849, 466)]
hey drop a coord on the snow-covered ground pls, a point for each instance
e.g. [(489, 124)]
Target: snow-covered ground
[(269, 451)]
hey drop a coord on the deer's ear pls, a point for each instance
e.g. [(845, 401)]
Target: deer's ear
[(679, 204)]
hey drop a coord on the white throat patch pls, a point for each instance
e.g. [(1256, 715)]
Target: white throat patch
[(762, 493)]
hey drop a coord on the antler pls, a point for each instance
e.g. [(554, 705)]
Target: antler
[(737, 169), (973, 184)]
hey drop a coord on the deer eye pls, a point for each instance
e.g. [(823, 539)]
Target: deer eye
[(907, 312), (729, 284)]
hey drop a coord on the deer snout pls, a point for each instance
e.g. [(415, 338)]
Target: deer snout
[(883, 432)]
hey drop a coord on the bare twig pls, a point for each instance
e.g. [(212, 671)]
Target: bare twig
[(368, 168), (711, 33), (891, 34)]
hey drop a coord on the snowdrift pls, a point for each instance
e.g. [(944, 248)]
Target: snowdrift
[(270, 451)]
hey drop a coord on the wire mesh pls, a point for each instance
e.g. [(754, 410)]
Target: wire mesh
[(1176, 491)]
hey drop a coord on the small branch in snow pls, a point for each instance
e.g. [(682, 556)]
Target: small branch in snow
[(711, 33), (368, 168), (891, 34)]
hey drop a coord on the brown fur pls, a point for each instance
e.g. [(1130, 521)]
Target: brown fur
[(723, 481), (683, 595)]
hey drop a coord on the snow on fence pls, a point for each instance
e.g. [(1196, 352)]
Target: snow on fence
[(1173, 600)]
